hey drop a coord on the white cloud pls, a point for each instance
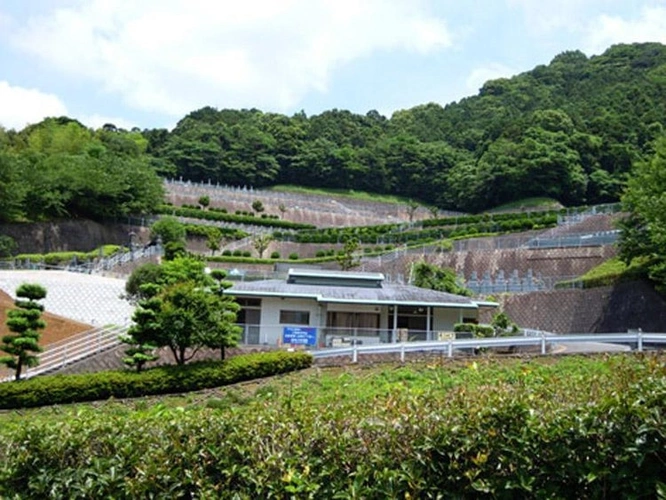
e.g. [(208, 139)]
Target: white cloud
[(20, 107), (172, 56), (649, 26), (543, 17), (482, 74)]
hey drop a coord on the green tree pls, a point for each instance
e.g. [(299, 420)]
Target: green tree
[(644, 230), (261, 242), (257, 206), (204, 202), (502, 325), (442, 279), (147, 273), (7, 246), (168, 229), (213, 242), (184, 309), (138, 355), (184, 318), (348, 257), (170, 272), (412, 207), (24, 322), (12, 188), (173, 235)]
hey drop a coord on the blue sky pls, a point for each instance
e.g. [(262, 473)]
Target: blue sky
[(147, 63)]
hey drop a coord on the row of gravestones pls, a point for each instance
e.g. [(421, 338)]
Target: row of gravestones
[(500, 283)]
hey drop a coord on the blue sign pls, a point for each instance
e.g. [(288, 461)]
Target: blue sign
[(298, 335)]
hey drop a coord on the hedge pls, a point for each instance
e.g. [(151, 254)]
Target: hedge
[(62, 258), (197, 213), (62, 389), (584, 428)]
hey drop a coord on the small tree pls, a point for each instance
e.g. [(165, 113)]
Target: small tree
[(282, 210), (434, 211), (174, 249), (204, 202), (347, 258), (213, 242), (138, 354), (261, 242), (230, 331), (502, 325), (7, 246), (437, 278), (412, 207), (185, 311), (257, 206), (169, 230), (25, 323)]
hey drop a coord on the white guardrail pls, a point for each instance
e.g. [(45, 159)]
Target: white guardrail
[(74, 348), (543, 340), (93, 342)]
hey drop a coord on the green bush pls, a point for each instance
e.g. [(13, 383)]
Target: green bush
[(574, 427), (293, 256), (275, 255), (239, 217), (481, 331), (65, 258), (62, 389)]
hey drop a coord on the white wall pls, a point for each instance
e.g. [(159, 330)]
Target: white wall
[(444, 318), (271, 329)]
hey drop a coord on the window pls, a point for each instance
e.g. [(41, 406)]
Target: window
[(295, 317), (245, 302)]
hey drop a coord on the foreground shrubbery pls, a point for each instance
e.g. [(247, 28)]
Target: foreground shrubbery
[(60, 389), (548, 428)]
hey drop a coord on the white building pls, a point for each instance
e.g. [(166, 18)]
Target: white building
[(322, 308)]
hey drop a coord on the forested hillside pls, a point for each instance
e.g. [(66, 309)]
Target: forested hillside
[(569, 130), (60, 169)]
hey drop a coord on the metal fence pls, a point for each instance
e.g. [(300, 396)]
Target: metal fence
[(543, 341), (89, 266), (75, 348)]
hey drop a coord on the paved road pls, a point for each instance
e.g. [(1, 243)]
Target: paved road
[(589, 347), (95, 300)]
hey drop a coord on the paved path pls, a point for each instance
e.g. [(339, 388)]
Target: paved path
[(589, 347), (95, 300)]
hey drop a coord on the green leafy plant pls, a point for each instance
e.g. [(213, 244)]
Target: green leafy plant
[(22, 344)]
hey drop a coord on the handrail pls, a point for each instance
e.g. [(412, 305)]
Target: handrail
[(74, 349), (542, 341)]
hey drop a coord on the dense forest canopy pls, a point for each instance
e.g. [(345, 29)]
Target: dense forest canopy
[(59, 168), (570, 130)]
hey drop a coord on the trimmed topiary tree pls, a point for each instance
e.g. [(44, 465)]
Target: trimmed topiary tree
[(22, 345)]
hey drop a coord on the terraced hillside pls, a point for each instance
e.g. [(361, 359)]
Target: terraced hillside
[(321, 211)]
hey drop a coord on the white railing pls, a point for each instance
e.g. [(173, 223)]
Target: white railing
[(639, 339), (75, 348)]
